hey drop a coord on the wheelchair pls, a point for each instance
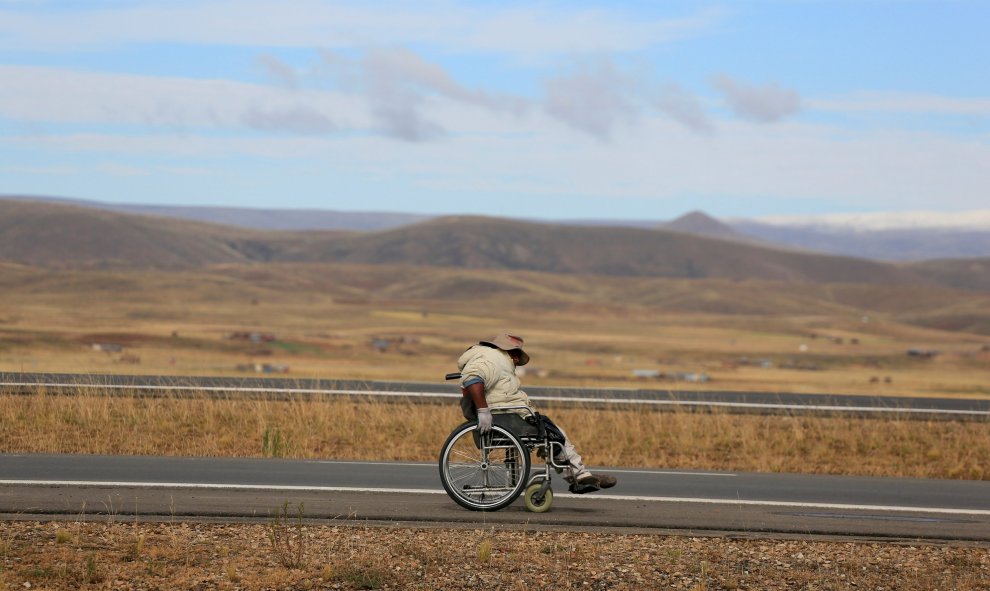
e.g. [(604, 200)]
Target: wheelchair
[(488, 472)]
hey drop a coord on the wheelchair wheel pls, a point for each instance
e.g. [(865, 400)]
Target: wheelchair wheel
[(535, 504), (483, 472)]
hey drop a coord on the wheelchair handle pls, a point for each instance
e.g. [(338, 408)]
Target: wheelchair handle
[(452, 376)]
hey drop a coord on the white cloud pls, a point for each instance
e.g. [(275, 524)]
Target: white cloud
[(398, 82), (278, 70), (665, 160), (487, 147), (41, 170), (683, 107), (55, 95), (595, 97), (569, 31), (911, 103), (516, 30), (117, 169), (763, 104), (601, 98), (304, 120)]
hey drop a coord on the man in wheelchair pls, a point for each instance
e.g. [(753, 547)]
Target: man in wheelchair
[(489, 381)]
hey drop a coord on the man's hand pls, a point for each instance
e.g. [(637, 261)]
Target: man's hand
[(484, 420)]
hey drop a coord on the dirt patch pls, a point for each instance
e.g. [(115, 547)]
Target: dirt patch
[(290, 554)]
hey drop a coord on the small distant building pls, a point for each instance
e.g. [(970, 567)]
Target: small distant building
[(108, 347), (254, 337), (647, 373), (263, 367), (677, 376), (691, 377)]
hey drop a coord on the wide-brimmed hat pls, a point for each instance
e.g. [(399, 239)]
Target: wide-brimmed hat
[(508, 342)]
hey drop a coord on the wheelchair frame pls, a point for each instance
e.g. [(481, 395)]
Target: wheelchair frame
[(488, 472)]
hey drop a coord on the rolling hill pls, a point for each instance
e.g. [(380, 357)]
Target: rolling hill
[(250, 218), (884, 242), (972, 274), (491, 243), (58, 235)]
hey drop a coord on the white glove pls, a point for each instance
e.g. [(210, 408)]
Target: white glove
[(484, 420)]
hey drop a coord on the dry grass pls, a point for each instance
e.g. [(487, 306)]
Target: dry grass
[(340, 429), (583, 331), (198, 556)]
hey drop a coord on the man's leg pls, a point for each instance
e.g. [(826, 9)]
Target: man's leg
[(579, 477), (570, 456)]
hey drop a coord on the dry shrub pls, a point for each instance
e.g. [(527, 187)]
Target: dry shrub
[(287, 536)]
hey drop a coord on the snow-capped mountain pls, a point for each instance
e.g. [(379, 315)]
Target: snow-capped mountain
[(902, 236), (868, 222)]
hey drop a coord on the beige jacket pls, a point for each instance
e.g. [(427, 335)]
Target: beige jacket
[(495, 368)]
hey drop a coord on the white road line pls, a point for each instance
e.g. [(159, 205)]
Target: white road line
[(393, 464), (207, 486), (233, 389), (756, 503), (575, 399), (831, 506), (668, 472), (610, 470)]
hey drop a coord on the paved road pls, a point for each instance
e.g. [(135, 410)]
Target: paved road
[(655, 500), (748, 402)]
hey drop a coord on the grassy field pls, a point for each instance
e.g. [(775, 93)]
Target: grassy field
[(337, 429), (405, 323), (408, 323)]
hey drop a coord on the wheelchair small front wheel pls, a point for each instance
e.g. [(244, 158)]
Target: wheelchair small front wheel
[(483, 472), (535, 502)]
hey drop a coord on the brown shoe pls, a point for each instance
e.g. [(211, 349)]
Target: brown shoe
[(599, 480), (586, 479), (606, 481)]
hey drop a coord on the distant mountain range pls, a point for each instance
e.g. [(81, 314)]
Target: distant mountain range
[(253, 218), (907, 244), (885, 237), (54, 234)]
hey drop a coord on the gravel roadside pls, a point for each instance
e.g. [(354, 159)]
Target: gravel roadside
[(287, 554)]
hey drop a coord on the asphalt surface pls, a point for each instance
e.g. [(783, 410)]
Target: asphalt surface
[(743, 402), (651, 500)]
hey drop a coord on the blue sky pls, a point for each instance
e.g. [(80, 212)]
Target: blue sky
[(530, 109)]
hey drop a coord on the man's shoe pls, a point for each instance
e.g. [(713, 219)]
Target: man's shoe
[(599, 480), (585, 484), (587, 479), (606, 481), (591, 482)]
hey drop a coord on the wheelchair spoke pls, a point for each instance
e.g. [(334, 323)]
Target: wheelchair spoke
[(472, 457), (486, 472), (459, 479)]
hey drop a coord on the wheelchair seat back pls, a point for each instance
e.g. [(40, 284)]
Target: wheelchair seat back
[(519, 426)]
